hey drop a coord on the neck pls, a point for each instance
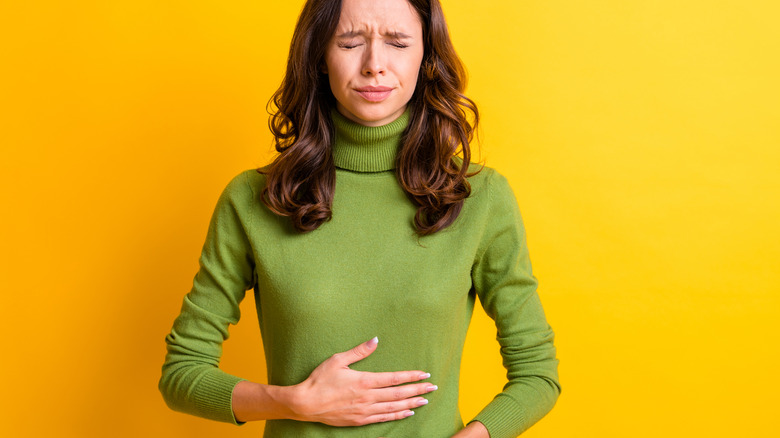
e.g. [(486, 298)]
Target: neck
[(367, 148)]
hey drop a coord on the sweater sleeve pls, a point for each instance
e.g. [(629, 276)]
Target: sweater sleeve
[(506, 288), (191, 380)]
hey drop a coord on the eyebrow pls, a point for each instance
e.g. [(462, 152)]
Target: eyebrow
[(354, 33)]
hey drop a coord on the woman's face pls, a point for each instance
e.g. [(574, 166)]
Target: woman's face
[(373, 59)]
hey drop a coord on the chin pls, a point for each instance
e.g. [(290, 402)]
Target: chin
[(374, 115)]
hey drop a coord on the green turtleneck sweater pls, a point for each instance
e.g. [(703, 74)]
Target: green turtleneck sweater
[(366, 273)]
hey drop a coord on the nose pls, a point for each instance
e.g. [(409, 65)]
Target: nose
[(375, 59)]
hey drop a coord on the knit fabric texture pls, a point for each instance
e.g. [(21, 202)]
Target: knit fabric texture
[(362, 274)]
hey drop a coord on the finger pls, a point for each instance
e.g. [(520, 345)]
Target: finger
[(381, 418), (402, 392), (357, 353), (395, 378), (397, 406)]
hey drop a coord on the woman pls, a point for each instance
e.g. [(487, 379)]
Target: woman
[(366, 224)]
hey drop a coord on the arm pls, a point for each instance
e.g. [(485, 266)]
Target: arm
[(506, 288), (192, 382), (336, 395), (475, 429)]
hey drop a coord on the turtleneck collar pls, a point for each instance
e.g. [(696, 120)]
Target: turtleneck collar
[(365, 148)]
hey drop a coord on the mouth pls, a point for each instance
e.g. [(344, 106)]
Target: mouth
[(374, 93)]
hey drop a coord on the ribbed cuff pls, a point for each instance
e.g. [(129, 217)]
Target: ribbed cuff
[(502, 418), (213, 396)]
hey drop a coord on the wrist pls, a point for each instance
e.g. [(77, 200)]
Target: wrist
[(290, 400), (256, 401), (475, 429)]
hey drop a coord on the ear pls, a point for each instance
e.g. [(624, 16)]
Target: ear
[(324, 68)]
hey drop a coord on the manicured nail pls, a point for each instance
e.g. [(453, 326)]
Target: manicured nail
[(424, 376), (408, 414), (373, 341), (422, 402), (432, 388)]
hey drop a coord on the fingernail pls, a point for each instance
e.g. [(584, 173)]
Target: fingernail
[(408, 413), (424, 376), (373, 341), (432, 388), (422, 402)]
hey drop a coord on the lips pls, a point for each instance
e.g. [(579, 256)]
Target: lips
[(374, 93)]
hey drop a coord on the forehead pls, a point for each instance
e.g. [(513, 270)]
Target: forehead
[(379, 16)]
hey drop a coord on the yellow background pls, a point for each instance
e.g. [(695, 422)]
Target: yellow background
[(640, 137)]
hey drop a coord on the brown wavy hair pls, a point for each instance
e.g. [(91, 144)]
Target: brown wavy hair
[(432, 164)]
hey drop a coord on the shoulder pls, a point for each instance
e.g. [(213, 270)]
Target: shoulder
[(489, 183), (247, 184), (491, 200), (242, 193)]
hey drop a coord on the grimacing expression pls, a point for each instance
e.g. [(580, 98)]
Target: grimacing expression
[(373, 59)]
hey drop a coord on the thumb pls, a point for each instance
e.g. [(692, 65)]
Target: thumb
[(360, 352)]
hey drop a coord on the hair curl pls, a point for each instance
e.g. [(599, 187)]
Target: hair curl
[(301, 181)]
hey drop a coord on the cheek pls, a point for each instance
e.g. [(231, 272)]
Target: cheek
[(334, 77), (336, 87), (338, 72), (411, 71)]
